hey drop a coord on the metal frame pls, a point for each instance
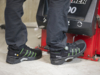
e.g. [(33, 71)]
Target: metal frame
[(93, 43)]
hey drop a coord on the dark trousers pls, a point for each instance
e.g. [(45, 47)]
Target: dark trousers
[(16, 32)]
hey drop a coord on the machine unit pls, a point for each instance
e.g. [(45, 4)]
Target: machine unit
[(81, 18)]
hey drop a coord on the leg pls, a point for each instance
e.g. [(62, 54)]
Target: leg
[(57, 28), (57, 24), (16, 34)]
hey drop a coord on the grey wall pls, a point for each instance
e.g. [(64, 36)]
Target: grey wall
[(30, 9)]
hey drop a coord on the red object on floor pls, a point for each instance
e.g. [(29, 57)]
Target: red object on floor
[(93, 43), (98, 41), (43, 40)]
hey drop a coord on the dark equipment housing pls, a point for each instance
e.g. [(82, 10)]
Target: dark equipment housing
[(82, 21)]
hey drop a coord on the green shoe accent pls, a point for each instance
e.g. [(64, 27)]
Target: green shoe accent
[(29, 54), (32, 54), (79, 50), (57, 52), (26, 53), (76, 51), (21, 51), (35, 54), (72, 51), (68, 54)]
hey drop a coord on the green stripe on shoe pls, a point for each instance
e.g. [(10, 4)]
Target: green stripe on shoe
[(72, 51), (21, 51), (68, 54), (79, 50), (26, 53), (35, 54), (32, 54), (76, 51), (29, 54)]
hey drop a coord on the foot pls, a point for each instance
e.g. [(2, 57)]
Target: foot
[(25, 54), (71, 51)]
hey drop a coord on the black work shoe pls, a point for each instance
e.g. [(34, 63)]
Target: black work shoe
[(25, 54), (71, 51)]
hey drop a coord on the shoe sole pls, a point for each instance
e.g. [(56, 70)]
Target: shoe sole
[(13, 60), (64, 59)]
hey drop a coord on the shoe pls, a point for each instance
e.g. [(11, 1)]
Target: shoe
[(25, 54), (71, 51)]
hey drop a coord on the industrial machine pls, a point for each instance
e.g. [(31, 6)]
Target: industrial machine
[(83, 22)]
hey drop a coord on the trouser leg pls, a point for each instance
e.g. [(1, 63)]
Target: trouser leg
[(57, 24), (16, 33)]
